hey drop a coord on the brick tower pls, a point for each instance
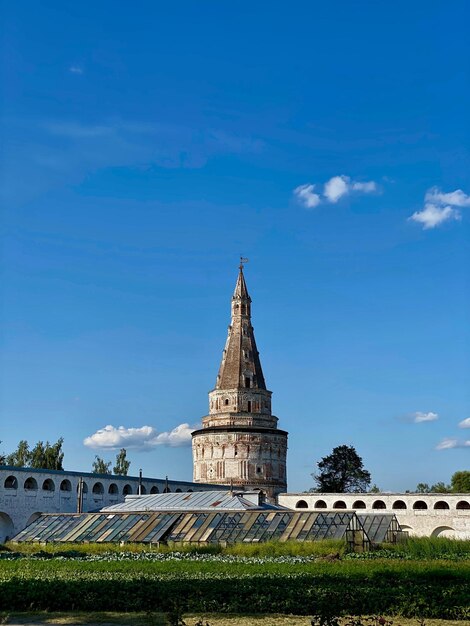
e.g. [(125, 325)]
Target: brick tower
[(239, 442)]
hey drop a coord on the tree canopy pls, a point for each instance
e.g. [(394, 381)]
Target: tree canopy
[(342, 471), (42, 456), (122, 465), (460, 482), (100, 466)]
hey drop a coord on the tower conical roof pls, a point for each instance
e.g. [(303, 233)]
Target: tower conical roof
[(241, 290), (240, 366)]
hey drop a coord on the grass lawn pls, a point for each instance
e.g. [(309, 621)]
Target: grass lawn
[(159, 619)]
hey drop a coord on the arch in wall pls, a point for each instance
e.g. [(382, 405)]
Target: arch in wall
[(301, 504), (66, 485), (113, 489), (443, 531), (6, 527), (339, 504), (167, 490), (178, 490), (154, 489), (462, 505), (441, 504), (420, 505), (48, 485), (30, 484), (320, 504), (399, 504), (32, 518), (378, 504), (98, 489), (359, 504), (10, 482), (143, 490), (406, 529), (127, 490), (190, 491)]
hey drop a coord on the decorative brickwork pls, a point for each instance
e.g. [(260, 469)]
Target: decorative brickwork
[(239, 442)]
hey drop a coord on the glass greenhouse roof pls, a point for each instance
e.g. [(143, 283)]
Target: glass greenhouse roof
[(380, 528), (195, 527)]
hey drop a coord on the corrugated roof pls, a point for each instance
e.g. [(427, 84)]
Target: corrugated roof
[(194, 501)]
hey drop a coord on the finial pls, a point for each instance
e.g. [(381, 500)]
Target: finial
[(243, 260)]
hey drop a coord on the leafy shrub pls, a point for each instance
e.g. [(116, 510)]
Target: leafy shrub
[(427, 589)]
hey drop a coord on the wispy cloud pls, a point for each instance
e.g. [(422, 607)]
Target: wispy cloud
[(306, 196), (448, 443), (57, 153), (334, 189), (465, 423), (455, 198), (419, 417), (76, 69), (143, 438), (440, 207)]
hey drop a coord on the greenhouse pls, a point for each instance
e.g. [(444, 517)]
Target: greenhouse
[(202, 527), (383, 528)]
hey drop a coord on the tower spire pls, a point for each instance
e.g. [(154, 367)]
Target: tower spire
[(239, 442), (240, 366)]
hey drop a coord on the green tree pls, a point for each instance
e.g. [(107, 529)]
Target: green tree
[(423, 488), (460, 482), (21, 457), (100, 466), (374, 489), (440, 487), (342, 471), (122, 464), (49, 456)]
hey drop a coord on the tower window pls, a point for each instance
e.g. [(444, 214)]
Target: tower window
[(258, 470), (226, 401), (247, 382), (249, 406)]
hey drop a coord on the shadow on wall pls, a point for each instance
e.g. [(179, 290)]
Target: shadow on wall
[(6, 527)]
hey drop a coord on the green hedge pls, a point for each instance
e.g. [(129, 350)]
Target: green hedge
[(410, 590)]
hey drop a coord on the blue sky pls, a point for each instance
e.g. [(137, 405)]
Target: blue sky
[(144, 148)]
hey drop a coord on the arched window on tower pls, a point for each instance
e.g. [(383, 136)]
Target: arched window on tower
[(249, 406)]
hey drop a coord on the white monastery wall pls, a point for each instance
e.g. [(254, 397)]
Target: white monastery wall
[(25, 493), (420, 514)]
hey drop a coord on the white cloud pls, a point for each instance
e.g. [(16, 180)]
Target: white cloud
[(368, 187), (433, 215), (35, 154), (75, 69), (440, 207), (447, 444), (339, 186), (142, 438), (419, 417), (306, 197), (465, 423), (333, 190), (336, 188), (454, 198)]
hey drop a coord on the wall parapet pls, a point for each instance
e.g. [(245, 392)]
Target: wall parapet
[(424, 514)]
